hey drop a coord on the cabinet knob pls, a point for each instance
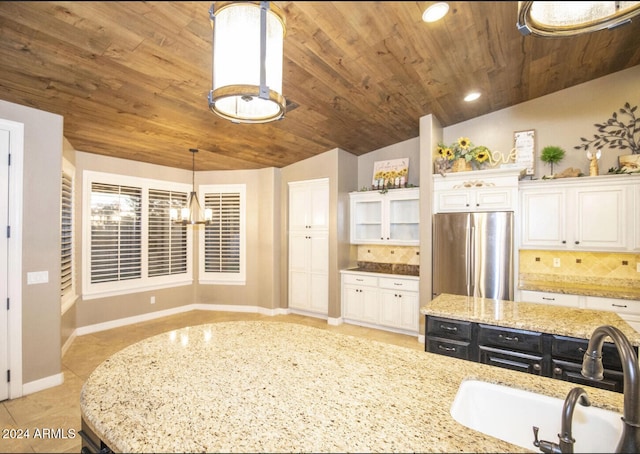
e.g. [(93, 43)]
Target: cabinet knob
[(537, 367), (557, 371), (577, 242), (564, 241), (477, 204)]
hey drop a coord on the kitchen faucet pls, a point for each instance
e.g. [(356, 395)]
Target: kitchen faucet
[(566, 439), (592, 368)]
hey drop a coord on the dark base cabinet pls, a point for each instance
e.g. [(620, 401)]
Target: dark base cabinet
[(532, 352)]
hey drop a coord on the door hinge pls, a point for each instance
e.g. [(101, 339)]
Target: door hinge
[(8, 231), (8, 375), (9, 159), (7, 303)]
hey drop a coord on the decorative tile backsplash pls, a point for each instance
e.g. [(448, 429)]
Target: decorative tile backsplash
[(407, 255), (605, 265)]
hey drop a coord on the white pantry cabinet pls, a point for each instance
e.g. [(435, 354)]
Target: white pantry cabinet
[(309, 246), (588, 213), (392, 217), (385, 301)]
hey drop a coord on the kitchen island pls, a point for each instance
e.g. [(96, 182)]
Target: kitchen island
[(271, 386)]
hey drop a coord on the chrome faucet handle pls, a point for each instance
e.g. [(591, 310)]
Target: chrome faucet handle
[(545, 446)]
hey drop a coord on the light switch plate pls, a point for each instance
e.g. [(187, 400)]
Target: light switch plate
[(37, 277), (556, 262)]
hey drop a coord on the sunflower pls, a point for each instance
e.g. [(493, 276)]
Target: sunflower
[(464, 143), (481, 153)]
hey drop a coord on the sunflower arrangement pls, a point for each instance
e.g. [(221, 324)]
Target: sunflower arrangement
[(463, 148)]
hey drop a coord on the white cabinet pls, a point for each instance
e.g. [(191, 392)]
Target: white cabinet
[(485, 190), (388, 302), (579, 214), (385, 218), (360, 298), (309, 204), (309, 246), (628, 310), (636, 210)]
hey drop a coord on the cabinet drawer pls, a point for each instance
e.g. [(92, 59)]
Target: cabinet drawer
[(522, 362), (565, 370), (556, 299), (409, 285), (613, 305), (449, 329), (573, 349), (447, 347), (512, 339), (360, 279)]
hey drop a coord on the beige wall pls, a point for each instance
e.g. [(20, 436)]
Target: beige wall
[(333, 165), (263, 241), (42, 163), (560, 119)]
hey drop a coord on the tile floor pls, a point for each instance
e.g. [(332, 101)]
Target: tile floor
[(53, 414)]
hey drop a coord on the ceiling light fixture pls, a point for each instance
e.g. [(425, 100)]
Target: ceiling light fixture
[(192, 212), (472, 96), (557, 19), (435, 12), (247, 62)]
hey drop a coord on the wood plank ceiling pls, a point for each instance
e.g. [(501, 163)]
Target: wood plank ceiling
[(131, 78)]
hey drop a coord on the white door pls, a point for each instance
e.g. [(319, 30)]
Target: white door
[(4, 257)]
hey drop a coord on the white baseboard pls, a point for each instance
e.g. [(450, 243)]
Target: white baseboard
[(42, 384)]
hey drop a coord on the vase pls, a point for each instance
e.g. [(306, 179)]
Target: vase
[(461, 165), (629, 163)]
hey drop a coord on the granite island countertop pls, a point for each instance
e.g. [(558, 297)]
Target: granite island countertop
[(564, 321), (266, 386)]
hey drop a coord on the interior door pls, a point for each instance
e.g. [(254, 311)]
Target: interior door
[(4, 258)]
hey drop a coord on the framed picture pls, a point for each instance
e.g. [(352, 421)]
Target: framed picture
[(390, 174), (524, 143)]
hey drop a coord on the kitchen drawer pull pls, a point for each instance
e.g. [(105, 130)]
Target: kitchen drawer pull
[(548, 299), (398, 284), (582, 350), (359, 279), (508, 338), (618, 305), (449, 328), (446, 349)]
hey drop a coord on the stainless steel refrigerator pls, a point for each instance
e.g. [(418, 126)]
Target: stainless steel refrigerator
[(473, 254)]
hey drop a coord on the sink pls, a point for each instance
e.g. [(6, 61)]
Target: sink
[(509, 414)]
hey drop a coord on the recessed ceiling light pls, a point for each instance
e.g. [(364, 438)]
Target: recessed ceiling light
[(472, 96), (435, 12)]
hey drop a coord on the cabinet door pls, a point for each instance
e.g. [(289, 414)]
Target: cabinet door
[(601, 215), (318, 269), (361, 304), (494, 199), (298, 270), (399, 309), (543, 219), (366, 221), (309, 204), (404, 220), (453, 201)]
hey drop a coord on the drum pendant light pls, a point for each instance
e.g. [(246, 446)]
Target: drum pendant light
[(247, 62)]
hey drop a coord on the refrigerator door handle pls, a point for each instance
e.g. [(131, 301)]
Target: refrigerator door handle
[(468, 264)]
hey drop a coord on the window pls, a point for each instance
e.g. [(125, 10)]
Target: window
[(223, 257), (67, 263), (130, 242)]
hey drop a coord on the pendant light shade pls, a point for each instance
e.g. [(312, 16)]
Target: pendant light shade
[(247, 62), (555, 19), (192, 213)]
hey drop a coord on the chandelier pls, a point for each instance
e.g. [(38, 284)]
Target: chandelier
[(191, 213), (555, 19), (247, 62)]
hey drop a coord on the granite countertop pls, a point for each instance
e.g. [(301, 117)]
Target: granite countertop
[(266, 386), (394, 269), (578, 285), (565, 321)]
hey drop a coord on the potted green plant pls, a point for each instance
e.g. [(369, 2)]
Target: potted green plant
[(551, 155)]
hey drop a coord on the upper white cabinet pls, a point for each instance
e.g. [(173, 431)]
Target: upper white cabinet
[(486, 190), (391, 218), (579, 213), (309, 204)]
